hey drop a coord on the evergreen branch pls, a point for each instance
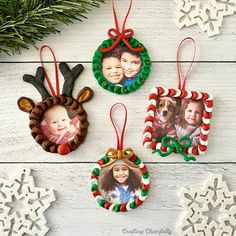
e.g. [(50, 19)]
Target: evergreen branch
[(23, 22)]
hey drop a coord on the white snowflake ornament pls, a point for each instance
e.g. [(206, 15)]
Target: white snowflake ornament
[(210, 19), (229, 6), (22, 206), (208, 15), (186, 13), (210, 211)]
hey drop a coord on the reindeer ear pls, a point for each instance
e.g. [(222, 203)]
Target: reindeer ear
[(25, 104), (85, 95)]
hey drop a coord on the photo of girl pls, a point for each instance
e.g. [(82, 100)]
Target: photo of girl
[(120, 183), (121, 66), (190, 119), (57, 126)]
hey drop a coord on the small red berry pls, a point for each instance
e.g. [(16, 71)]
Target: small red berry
[(63, 149)]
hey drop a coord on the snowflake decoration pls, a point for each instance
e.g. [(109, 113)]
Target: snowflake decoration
[(22, 206), (211, 211), (208, 15)]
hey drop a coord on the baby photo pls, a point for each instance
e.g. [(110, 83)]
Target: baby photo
[(121, 66), (120, 183), (177, 118), (59, 125)]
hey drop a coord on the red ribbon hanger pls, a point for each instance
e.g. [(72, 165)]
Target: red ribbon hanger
[(118, 36), (190, 66), (55, 68), (121, 138)]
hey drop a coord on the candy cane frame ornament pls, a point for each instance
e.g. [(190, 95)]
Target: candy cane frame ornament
[(171, 140), (157, 93)]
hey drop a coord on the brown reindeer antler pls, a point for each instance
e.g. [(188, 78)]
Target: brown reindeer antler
[(70, 76), (37, 82)]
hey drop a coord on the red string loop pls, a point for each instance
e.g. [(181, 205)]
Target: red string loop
[(55, 68), (121, 138), (118, 36), (190, 66)]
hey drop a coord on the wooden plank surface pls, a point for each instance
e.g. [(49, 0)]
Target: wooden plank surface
[(18, 145), (75, 212), (153, 24)]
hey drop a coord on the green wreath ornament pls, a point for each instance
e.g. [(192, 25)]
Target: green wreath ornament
[(104, 83)]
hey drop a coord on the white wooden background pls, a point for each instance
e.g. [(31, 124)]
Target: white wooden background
[(75, 212)]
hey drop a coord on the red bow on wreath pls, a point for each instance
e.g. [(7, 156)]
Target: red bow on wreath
[(118, 36)]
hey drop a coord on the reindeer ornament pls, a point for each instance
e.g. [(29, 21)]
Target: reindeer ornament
[(54, 133)]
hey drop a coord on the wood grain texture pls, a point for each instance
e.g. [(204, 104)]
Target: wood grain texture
[(75, 212), (153, 24), (18, 145)]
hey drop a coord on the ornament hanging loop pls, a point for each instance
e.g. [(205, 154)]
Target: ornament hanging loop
[(122, 35), (184, 77), (119, 153), (119, 139), (55, 68)]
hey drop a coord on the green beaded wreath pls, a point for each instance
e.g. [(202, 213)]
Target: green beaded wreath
[(124, 206), (104, 83)]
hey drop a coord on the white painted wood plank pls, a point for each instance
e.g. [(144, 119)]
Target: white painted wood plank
[(17, 145), (153, 25), (76, 212)]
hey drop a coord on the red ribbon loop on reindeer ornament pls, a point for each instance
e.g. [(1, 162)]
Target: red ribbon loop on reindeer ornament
[(180, 86), (118, 36), (56, 71)]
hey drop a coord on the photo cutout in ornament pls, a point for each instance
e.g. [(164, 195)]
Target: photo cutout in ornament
[(120, 183), (121, 64), (178, 120), (59, 122), (119, 180)]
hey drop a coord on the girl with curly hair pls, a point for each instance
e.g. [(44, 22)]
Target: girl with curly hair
[(121, 184)]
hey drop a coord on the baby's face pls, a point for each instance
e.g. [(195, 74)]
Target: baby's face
[(193, 114), (112, 70), (121, 173), (131, 64), (57, 120)]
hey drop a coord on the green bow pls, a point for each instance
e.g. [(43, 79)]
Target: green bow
[(177, 145)]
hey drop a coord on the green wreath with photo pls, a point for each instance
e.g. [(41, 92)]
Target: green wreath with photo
[(143, 74)]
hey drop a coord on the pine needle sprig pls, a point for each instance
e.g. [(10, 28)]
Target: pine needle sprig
[(23, 22)]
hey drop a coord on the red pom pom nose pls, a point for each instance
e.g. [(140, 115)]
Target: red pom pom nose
[(63, 149)]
